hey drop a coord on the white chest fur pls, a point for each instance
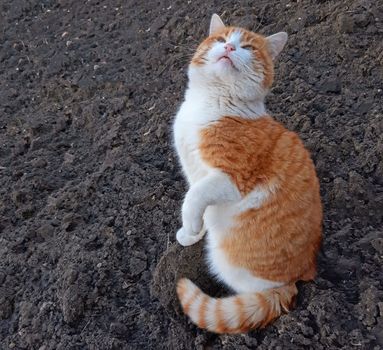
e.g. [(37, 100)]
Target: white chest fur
[(189, 121)]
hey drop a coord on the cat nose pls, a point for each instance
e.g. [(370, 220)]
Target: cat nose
[(229, 47)]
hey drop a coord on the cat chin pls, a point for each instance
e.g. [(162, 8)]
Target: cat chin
[(225, 60), (224, 69), (225, 63)]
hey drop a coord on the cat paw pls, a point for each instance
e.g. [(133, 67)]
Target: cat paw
[(191, 220), (186, 239)]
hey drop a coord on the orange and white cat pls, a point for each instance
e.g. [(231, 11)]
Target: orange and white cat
[(252, 184)]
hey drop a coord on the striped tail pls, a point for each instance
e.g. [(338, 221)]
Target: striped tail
[(235, 314)]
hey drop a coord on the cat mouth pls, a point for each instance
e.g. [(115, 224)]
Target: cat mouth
[(226, 59)]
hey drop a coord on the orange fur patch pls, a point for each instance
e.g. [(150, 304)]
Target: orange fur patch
[(280, 240)]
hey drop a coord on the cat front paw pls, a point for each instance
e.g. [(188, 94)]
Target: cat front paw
[(185, 239), (192, 220)]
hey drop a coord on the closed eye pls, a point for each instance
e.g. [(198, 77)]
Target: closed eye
[(247, 47), (221, 39)]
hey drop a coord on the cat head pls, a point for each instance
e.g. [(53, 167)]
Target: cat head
[(236, 57)]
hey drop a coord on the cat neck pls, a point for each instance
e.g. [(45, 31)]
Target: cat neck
[(226, 99)]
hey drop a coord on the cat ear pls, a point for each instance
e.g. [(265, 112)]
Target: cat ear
[(216, 24), (275, 43)]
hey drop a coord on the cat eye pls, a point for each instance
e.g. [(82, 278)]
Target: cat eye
[(247, 47), (221, 39)]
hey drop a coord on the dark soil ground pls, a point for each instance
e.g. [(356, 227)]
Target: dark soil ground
[(90, 188)]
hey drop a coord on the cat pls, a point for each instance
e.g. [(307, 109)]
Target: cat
[(252, 184)]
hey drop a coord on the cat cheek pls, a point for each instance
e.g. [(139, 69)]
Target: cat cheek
[(216, 51)]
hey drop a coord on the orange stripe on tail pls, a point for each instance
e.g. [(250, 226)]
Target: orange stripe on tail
[(236, 314)]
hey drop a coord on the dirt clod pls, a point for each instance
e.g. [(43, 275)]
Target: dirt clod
[(72, 305), (346, 24), (178, 262)]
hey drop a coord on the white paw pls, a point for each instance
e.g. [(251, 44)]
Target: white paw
[(192, 219), (186, 239)]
